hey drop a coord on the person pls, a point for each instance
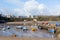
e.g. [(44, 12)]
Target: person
[(52, 32)]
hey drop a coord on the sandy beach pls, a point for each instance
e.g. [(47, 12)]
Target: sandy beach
[(20, 23), (25, 38)]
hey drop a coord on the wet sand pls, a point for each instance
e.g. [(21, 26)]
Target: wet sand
[(31, 22), (25, 38)]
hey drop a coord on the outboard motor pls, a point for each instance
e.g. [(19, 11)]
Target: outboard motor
[(3, 29), (40, 27), (25, 29), (8, 27)]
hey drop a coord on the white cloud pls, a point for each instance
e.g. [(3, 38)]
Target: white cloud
[(55, 10), (41, 6), (6, 11), (34, 8), (20, 12), (31, 7)]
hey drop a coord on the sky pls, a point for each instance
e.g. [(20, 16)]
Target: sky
[(30, 7)]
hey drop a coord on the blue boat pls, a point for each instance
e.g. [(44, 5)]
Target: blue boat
[(51, 31), (57, 23)]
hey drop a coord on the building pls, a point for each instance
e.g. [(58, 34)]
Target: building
[(8, 16)]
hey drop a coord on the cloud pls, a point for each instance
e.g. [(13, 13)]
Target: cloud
[(55, 10), (30, 7), (41, 6), (6, 11), (34, 8)]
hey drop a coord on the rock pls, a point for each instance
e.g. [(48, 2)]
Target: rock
[(13, 35), (58, 35)]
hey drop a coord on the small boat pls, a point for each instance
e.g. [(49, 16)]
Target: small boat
[(3, 29), (19, 27), (34, 29), (25, 29), (8, 27), (51, 31), (22, 27), (43, 27), (57, 24)]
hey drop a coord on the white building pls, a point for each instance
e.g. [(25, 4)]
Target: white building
[(30, 16), (8, 16)]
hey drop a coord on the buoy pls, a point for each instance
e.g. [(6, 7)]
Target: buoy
[(34, 29)]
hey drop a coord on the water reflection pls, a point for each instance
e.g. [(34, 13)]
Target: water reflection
[(29, 33)]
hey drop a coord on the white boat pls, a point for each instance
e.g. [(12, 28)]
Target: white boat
[(19, 27), (3, 29), (8, 27)]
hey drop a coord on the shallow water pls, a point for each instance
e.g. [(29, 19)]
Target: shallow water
[(29, 33)]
